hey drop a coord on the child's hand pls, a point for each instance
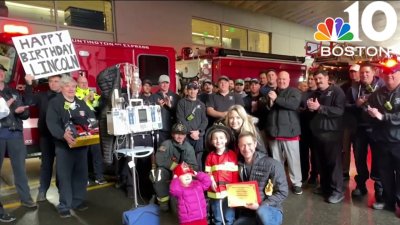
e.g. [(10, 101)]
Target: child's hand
[(214, 186)]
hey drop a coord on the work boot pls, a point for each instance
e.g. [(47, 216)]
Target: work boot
[(359, 191), (41, 197)]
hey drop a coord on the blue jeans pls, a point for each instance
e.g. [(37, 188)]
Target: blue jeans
[(227, 214), (265, 215)]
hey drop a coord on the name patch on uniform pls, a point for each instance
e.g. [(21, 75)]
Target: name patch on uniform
[(329, 93), (396, 101), (230, 98)]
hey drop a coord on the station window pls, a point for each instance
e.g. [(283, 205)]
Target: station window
[(258, 41), (234, 37), (152, 66), (87, 14), (206, 33), (209, 34)]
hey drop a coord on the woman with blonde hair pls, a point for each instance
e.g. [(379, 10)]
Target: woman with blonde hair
[(238, 120)]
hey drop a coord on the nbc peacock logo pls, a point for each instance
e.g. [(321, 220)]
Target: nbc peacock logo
[(333, 30)]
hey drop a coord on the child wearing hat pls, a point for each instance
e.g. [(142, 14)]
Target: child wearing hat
[(222, 165), (189, 193)]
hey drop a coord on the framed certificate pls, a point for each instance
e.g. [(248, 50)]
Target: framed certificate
[(243, 193)]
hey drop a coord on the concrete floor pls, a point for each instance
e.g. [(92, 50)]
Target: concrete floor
[(106, 205)]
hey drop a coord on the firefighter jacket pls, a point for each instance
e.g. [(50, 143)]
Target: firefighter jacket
[(61, 114), (168, 114), (224, 170), (328, 118), (170, 154), (388, 103), (192, 114), (14, 120), (82, 93), (358, 90), (41, 100)]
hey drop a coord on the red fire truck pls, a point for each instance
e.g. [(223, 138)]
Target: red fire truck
[(94, 57), (214, 62)]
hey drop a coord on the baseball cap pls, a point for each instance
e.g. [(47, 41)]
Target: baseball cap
[(179, 128), (207, 81), (2, 68), (192, 85), (239, 81), (255, 80), (247, 79), (355, 67), (183, 168), (223, 77), (163, 78), (147, 81)]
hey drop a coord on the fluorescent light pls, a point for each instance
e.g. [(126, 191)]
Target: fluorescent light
[(32, 7)]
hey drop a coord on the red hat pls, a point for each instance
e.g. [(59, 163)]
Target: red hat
[(182, 169)]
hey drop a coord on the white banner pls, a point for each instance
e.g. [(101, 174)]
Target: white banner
[(47, 54)]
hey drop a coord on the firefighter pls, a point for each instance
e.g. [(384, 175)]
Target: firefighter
[(168, 101), (327, 104), (383, 111), (92, 99), (192, 113), (219, 103), (360, 92), (65, 111), (47, 148), (12, 140), (171, 153), (83, 92)]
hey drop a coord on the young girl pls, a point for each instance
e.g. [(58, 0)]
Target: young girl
[(189, 193), (222, 165)]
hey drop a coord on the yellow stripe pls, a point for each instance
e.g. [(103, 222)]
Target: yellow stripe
[(163, 199), (207, 169), (173, 165), (225, 167), (12, 205), (218, 195)]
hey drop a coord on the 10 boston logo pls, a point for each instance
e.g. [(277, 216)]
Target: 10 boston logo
[(338, 30)]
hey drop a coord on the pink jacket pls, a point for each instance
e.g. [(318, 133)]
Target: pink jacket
[(191, 200)]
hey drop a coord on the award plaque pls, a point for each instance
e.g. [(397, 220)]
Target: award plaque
[(243, 193)]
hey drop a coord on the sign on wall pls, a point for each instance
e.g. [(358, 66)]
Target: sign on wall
[(47, 54)]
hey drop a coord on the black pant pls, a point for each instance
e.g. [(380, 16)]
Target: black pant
[(362, 140), (328, 147), (198, 146), (389, 171), (17, 152), (96, 159), (72, 174), (47, 148), (307, 156)]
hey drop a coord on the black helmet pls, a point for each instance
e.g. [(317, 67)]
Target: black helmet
[(179, 128)]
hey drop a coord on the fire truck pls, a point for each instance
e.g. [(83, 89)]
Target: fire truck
[(214, 62), (94, 56)]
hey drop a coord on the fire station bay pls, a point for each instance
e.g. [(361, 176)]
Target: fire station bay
[(199, 112)]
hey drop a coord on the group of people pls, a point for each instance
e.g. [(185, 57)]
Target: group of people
[(307, 129), (67, 103), (225, 134)]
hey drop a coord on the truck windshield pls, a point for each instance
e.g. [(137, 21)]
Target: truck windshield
[(8, 55), (152, 66)]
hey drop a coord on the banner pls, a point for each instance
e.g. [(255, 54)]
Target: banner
[(47, 54)]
